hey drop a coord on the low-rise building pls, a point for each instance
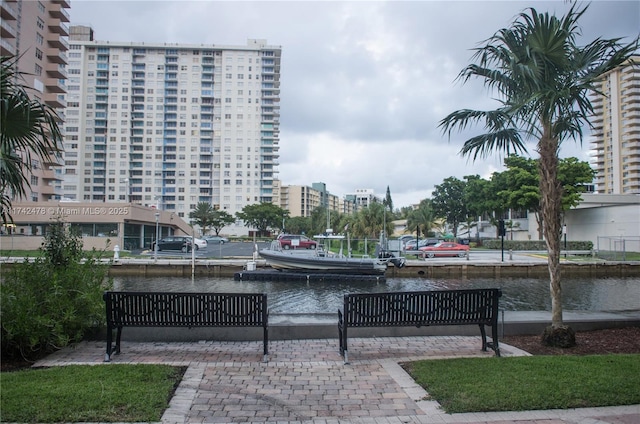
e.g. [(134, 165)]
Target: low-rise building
[(101, 225)]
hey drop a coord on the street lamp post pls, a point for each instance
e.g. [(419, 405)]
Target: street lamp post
[(155, 245), (128, 188)]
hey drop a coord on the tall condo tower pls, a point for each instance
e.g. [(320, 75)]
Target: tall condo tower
[(615, 141), (35, 33), (171, 125)]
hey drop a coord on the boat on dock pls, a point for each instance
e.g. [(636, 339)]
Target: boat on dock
[(322, 260)]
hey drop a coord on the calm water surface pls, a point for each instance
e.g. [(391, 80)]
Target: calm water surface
[(519, 294)]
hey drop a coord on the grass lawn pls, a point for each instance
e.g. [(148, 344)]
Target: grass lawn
[(100, 393), (529, 383)]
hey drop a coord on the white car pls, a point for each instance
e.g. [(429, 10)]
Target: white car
[(200, 243)]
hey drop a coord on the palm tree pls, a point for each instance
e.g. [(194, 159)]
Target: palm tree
[(203, 216), (28, 129), (543, 78), (423, 218)]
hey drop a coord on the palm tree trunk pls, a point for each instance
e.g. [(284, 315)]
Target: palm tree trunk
[(551, 208)]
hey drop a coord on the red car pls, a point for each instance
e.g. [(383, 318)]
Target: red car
[(289, 241), (446, 248)]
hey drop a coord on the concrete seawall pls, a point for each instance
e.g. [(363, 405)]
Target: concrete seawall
[(413, 269)]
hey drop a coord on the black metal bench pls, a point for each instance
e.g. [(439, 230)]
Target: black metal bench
[(169, 309), (422, 308)]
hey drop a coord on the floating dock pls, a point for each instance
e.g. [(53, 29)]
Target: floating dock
[(273, 275)]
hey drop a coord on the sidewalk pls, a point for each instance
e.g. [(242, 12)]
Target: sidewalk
[(306, 381)]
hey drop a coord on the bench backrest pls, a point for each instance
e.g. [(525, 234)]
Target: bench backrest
[(150, 309), (438, 307)]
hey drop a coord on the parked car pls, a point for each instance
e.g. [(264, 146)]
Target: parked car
[(429, 242), (288, 241), (200, 243), (405, 238), (411, 244), (181, 243), (216, 239), (445, 249)]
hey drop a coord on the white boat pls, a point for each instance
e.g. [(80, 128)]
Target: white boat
[(324, 261)]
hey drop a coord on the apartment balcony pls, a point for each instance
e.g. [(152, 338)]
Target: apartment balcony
[(626, 123), (47, 190), (63, 3), (52, 159), (56, 71), (58, 27), (631, 99), (55, 85), (58, 11), (630, 82), (7, 30), (8, 11), (51, 175), (57, 56), (7, 48), (55, 100)]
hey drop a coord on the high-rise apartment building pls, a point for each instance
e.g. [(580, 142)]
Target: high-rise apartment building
[(171, 125), (616, 137), (35, 32)]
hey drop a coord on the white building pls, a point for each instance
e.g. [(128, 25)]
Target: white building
[(363, 197), (171, 125), (616, 136)]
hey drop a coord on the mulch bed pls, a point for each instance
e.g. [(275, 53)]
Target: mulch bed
[(597, 342)]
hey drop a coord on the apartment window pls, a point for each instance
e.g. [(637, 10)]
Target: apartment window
[(39, 39), (38, 54), (38, 69)]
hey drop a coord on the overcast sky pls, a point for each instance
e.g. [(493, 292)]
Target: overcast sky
[(363, 84)]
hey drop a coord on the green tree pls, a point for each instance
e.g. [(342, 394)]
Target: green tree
[(28, 131), (479, 200), (202, 216), (543, 79), (263, 217), (54, 300), (298, 225), (574, 175), (370, 221), (422, 218), (520, 184), (220, 219), (448, 202), (387, 200)]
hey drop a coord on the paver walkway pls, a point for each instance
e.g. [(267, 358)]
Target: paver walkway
[(306, 381)]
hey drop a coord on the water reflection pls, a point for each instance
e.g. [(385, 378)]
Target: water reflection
[(519, 294)]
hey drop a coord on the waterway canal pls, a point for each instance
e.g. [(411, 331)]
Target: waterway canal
[(519, 294)]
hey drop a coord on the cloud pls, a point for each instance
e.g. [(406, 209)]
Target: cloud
[(364, 84)]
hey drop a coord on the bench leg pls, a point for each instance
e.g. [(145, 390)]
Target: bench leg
[(342, 337), (494, 344), (265, 343), (118, 336), (107, 355), (483, 333)]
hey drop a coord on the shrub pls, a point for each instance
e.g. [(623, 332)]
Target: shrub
[(54, 300), (534, 244)]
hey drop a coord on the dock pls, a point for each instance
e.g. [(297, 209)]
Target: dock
[(274, 275)]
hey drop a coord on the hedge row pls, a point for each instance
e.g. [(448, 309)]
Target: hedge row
[(534, 244)]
